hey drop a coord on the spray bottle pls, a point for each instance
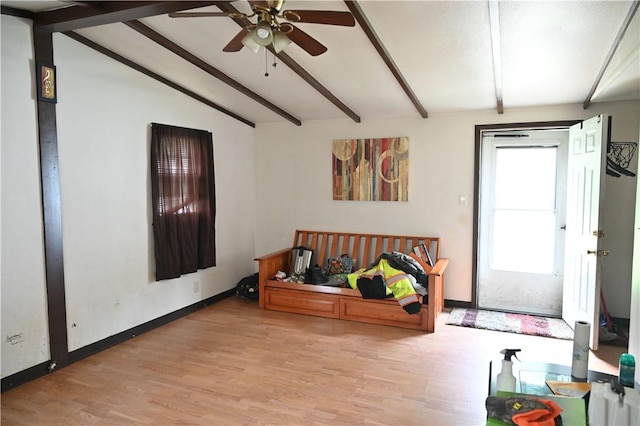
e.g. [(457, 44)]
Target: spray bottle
[(506, 380)]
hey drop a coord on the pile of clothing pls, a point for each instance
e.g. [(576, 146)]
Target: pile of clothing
[(392, 274)]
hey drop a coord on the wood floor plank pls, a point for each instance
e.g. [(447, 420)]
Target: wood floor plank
[(233, 364)]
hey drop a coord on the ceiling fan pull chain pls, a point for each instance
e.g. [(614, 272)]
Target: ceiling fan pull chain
[(266, 66)]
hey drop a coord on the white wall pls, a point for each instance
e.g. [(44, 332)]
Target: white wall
[(619, 215), (104, 112), (294, 185), (25, 335)]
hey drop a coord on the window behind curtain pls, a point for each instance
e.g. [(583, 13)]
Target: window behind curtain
[(183, 200)]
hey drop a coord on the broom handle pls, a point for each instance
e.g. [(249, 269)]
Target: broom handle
[(606, 312)]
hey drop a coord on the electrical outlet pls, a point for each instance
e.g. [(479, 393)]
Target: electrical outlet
[(196, 286)]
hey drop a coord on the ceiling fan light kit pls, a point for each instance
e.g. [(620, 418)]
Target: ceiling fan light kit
[(250, 43), (268, 31), (262, 33), (280, 41)]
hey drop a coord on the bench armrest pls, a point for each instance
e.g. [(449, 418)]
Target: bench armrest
[(273, 254), (439, 267), (268, 266), (436, 285)]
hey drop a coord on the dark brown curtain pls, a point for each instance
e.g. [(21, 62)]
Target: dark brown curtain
[(183, 197)]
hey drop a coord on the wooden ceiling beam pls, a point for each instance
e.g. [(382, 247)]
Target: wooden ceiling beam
[(111, 54), (109, 12), (494, 24), (616, 42), (297, 68), (206, 67), (359, 15), (304, 74)]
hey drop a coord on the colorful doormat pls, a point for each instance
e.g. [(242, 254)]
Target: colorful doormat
[(511, 323)]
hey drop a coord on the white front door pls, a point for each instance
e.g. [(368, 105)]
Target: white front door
[(587, 161), (522, 213)]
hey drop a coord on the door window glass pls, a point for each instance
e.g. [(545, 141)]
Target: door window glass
[(524, 209)]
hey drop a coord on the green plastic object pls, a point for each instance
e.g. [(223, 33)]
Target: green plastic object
[(627, 370)]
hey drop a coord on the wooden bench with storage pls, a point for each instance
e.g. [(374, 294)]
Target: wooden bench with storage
[(347, 303)]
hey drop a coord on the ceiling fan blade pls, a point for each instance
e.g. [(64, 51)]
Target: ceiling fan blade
[(321, 17), (236, 43), (261, 3), (196, 14), (312, 46)]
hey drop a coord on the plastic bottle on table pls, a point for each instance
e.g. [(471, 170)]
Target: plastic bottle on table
[(626, 373), (506, 381)]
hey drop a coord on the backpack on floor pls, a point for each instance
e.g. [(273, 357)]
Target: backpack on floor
[(247, 288)]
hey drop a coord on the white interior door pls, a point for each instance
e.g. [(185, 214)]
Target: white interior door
[(587, 161), (522, 214)]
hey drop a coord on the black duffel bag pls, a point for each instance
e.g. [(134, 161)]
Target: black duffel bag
[(247, 288)]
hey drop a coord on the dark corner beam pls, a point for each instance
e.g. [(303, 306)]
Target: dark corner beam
[(108, 12), (193, 59), (616, 42), (19, 13), (95, 46), (51, 215), (357, 12), (295, 67)]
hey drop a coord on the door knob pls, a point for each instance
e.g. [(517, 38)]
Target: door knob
[(599, 252)]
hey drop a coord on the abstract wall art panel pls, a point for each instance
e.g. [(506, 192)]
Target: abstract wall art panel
[(371, 169)]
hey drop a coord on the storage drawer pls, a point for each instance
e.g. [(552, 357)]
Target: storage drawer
[(388, 313), (302, 302)]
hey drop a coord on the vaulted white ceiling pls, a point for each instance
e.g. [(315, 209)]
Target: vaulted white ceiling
[(453, 56)]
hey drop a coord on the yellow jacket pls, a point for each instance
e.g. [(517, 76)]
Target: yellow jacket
[(381, 281)]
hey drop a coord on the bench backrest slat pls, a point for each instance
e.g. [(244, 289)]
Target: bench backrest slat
[(334, 244), (314, 240), (346, 241), (323, 247), (363, 248), (403, 243), (355, 251)]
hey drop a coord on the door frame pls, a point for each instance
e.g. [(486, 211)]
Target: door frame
[(479, 129), (533, 292)]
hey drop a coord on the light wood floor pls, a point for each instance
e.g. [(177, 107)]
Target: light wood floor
[(234, 364)]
